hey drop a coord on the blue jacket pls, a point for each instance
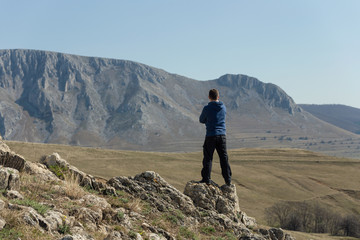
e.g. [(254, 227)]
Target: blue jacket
[(213, 115)]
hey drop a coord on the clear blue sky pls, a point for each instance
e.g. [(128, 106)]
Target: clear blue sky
[(310, 48)]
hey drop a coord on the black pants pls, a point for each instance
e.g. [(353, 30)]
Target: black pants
[(210, 144)]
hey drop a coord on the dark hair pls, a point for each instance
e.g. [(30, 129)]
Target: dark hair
[(213, 94)]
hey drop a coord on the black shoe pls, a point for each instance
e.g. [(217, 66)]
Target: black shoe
[(203, 181), (213, 183), (228, 183)]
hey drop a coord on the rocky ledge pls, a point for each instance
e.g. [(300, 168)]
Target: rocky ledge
[(54, 200)]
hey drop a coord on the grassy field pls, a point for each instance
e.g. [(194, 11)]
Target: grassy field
[(262, 176)]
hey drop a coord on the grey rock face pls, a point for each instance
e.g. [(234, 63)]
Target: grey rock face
[(55, 219), (60, 98), (224, 200), (32, 218), (279, 234), (249, 222), (9, 178), (90, 217), (276, 234), (10, 159), (40, 170), (12, 194), (151, 187), (272, 94)]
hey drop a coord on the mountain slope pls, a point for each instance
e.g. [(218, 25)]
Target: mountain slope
[(60, 98), (342, 116)]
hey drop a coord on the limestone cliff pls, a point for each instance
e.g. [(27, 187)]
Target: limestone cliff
[(60, 98)]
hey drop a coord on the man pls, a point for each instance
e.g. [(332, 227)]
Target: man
[(213, 116)]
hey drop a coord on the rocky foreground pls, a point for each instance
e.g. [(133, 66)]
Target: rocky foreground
[(54, 200)]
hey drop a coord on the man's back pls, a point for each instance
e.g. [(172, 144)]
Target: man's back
[(213, 115)]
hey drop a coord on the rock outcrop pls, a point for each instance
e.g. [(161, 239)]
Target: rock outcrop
[(223, 200), (10, 159), (141, 207), (151, 187), (219, 200), (9, 178)]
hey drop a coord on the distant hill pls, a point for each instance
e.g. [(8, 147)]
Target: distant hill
[(52, 97), (342, 116)]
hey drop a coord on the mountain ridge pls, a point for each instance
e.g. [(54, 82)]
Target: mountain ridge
[(343, 116), (61, 98)]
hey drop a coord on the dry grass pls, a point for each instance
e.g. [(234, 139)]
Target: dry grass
[(135, 205), (12, 217), (37, 189), (72, 188)]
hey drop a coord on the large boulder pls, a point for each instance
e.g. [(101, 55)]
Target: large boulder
[(220, 206), (10, 159), (279, 234), (223, 200)]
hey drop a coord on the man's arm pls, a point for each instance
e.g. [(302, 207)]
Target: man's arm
[(202, 118)]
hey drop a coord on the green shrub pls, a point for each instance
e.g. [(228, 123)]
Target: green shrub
[(124, 200), (184, 232), (120, 215), (171, 218), (230, 236), (59, 171), (64, 229), (179, 214), (132, 234), (10, 234), (207, 230)]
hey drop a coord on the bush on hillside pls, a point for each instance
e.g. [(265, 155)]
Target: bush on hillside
[(312, 217)]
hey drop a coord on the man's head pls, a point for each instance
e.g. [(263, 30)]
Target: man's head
[(214, 94)]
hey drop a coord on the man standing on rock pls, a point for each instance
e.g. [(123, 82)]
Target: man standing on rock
[(213, 116)]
